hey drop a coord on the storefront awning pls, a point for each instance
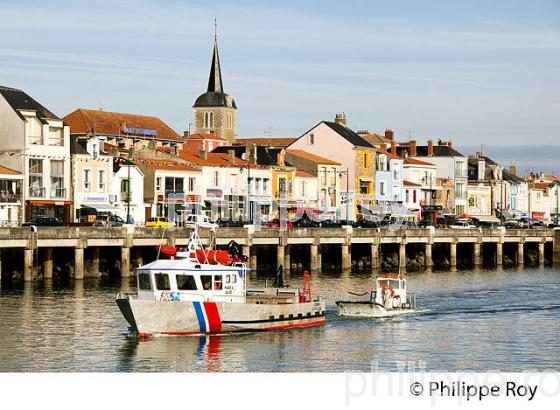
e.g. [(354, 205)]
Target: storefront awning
[(49, 202), (100, 207)]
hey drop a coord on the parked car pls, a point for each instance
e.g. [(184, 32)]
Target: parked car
[(408, 224), (202, 221), (229, 223), (275, 223), (108, 221), (43, 221), (305, 223), (462, 225), (329, 223), (536, 224), (488, 224), (424, 223), (365, 223), (512, 224), (159, 222)]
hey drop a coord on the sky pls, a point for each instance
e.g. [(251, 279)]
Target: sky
[(478, 72)]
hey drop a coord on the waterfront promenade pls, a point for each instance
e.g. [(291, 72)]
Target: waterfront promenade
[(32, 254)]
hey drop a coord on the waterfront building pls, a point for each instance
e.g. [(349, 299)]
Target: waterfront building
[(305, 192), (450, 164), (445, 198), (127, 191), (215, 111), (203, 142), (518, 198), (412, 201), (168, 184), (92, 177), (10, 197), (327, 175), (335, 141), (229, 183), (36, 143), (121, 130), (388, 180), (424, 174)]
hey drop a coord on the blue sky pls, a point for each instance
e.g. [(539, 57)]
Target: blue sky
[(475, 71)]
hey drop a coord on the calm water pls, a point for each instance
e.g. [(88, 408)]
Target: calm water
[(474, 320)]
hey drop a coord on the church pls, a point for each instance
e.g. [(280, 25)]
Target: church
[(215, 111)]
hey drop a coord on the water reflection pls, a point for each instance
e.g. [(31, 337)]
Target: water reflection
[(505, 319)]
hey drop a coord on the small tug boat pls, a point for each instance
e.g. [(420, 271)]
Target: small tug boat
[(198, 291), (388, 299)]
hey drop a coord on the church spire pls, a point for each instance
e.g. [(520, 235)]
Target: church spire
[(215, 80)]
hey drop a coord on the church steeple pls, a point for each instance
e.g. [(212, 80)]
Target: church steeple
[(215, 80), (214, 111)]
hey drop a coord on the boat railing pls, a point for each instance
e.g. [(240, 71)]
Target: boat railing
[(411, 300)]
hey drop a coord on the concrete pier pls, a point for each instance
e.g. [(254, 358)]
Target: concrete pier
[(125, 262), (346, 257), (428, 260), (47, 242), (453, 254), (499, 254), (313, 262), (520, 254), (477, 258), (402, 255), (79, 263), (28, 265), (48, 263), (280, 254)]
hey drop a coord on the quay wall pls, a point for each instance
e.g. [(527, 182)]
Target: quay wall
[(299, 248)]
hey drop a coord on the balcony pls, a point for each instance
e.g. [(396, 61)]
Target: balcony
[(35, 139), (9, 197), (37, 192), (56, 141), (58, 192)]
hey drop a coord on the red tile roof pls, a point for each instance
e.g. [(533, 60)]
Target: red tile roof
[(205, 137), (164, 164), (214, 159), (275, 142), (8, 171), (82, 121), (416, 161), (312, 157), (302, 173), (388, 154)]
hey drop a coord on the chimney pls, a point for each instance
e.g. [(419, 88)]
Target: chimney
[(449, 143), (513, 170), (231, 156), (412, 146), (393, 149), (430, 148), (341, 119), (383, 147), (203, 154), (186, 134), (173, 150), (390, 134)]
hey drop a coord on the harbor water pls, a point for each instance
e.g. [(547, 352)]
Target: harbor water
[(475, 320)]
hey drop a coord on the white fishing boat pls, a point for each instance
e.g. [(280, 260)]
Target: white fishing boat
[(390, 298), (199, 291)]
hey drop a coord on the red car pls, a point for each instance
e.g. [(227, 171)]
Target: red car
[(275, 223)]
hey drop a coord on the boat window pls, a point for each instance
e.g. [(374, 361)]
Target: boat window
[(217, 282), (228, 278), (186, 282), (233, 278), (206, 282), (162, 281), (144, 282)]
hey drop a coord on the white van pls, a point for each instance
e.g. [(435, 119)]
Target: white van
[(201, 220)]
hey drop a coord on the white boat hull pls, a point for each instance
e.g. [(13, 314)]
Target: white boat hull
[(367, 309), (183, 318)]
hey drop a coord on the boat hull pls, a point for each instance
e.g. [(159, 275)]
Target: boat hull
[(367, 309), (184, 318)]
